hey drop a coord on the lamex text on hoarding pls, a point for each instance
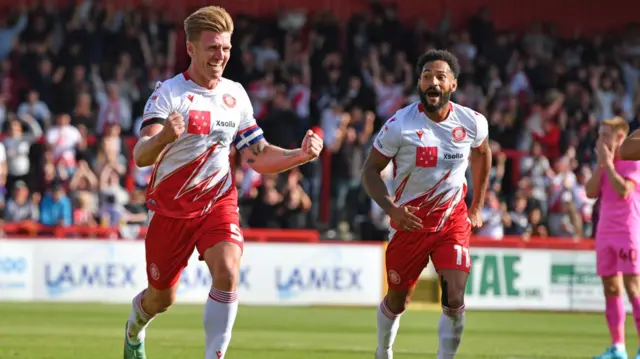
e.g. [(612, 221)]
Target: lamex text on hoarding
[(65, 277), (292, 282), (13, 265), (197, 277), (497, 275)]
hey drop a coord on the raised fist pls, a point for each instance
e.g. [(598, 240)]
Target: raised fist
[(173, 128), (311, 145)]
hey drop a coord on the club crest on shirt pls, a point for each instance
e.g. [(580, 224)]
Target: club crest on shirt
[(229, 100), (459, 133)]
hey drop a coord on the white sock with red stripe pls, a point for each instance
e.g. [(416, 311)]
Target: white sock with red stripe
[(388, 325), (219, 316), (138, 320), (450, 330)]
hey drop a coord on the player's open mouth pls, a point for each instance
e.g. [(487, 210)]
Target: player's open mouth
[(433, 94), (215, 66)]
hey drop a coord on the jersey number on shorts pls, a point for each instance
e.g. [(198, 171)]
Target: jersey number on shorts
[(462, 252), (630, 255), (236, 233)]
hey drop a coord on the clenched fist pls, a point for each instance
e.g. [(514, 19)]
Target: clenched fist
[(311, 145), (173, 128)]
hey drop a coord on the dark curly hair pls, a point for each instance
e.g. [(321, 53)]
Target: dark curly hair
[(439, 55)]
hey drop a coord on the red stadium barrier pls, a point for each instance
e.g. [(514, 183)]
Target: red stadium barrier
[(535, 243), (33, 230)]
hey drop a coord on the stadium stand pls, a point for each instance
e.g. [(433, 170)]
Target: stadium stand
[(74, 81)]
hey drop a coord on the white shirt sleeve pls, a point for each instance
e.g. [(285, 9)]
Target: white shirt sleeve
[(482, 130), (389, 138), (249, 132), (3, 154), (159, 105)]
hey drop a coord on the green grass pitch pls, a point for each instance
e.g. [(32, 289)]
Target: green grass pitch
[(95, 331)]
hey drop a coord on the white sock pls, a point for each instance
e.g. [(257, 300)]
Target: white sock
[(138, 320), (620, 347), (219, 315), (450, 330), (388, 325)]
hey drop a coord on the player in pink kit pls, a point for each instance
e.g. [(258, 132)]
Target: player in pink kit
[(429, 143), (190, 123), (618, 231)]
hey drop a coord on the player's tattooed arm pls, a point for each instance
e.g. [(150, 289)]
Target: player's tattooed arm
[(264, 157), (480, 167)]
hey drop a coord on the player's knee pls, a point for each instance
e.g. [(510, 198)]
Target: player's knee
[(632, 285), (225, 275), (612, 287), (223, 261), (452, 294), (159, 301), (397, 301)]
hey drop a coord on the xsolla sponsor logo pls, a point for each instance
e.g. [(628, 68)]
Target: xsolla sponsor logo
[(60, 279), (453, 156), (292, 282), (225, 123), (199, 277)]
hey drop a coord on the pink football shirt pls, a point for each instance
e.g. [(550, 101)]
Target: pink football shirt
[(620, 217)]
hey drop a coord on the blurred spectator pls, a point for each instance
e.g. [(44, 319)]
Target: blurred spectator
[(111, 212), (536, 167), (9, 32), (36, 109), (266, 206), (517, 220), (82, 115), (18, 146), (62, 139), (296, 202), (19, 208), (83, 187), (55, 208), (3, 175), (114, 100), (493, 218)]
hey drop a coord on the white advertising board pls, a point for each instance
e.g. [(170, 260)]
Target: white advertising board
[(114, 271), (508, 279), (16, 271)]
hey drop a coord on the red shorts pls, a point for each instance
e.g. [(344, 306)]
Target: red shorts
[(408, 254), (170, 241)]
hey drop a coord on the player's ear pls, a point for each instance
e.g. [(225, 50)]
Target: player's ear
[(454, 85), (190, 49)]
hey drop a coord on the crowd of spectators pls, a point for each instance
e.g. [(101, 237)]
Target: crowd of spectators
[(73, 83)]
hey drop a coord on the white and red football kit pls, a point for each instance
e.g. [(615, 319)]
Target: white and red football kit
[(430, 160), (191, 197)]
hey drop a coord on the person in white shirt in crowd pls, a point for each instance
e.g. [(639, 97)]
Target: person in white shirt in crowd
[(17, 144), (492, 218), (63, 138), (35, 108)]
